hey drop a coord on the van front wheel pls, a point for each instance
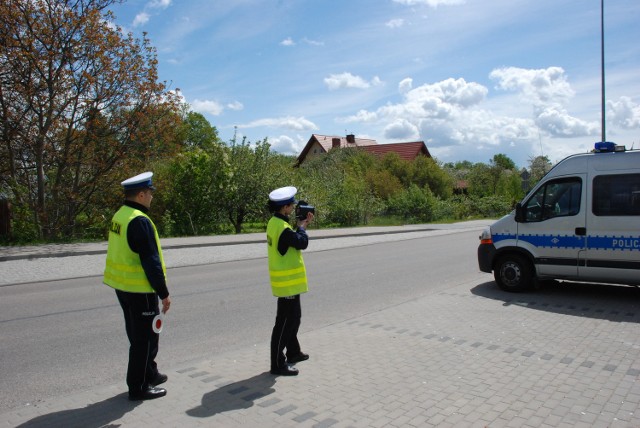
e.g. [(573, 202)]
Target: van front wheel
[(513, 273)]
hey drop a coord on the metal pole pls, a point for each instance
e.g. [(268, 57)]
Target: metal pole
[(604, 135)]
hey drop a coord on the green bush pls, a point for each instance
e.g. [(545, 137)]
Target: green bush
[(413, 204), (444, 209), (468, 207)]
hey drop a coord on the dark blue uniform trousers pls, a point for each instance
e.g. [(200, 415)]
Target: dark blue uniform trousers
[(139, 310), (285, 331)]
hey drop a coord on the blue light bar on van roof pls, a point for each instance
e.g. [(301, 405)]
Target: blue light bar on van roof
[(607, 147)]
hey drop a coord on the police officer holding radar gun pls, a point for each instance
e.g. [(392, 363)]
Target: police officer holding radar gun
[(288, 276), (135, 268)]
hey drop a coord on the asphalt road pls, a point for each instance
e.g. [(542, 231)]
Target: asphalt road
[(61, 337)]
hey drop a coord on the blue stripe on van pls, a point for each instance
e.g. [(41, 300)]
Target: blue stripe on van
[(630, 243), (497, 237), (622, 243), (554, 241)]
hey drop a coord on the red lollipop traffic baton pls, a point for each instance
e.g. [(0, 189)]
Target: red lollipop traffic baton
[(158, 322)]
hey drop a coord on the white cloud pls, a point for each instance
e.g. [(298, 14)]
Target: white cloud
[(540, 86), (548, 92), (558, 123), (312, 42), (435, 108), (289, 122), (159, 4), (395, 23), (405, 85), (401, 129), (363, 116), (141, 19), (288, 42), (453, 92), (348, 80), (479, 129), (286, 145), (204, 106), (449, 115), (236, 105), (430, 3), (624, 113)]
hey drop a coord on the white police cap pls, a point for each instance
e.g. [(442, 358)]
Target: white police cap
[(140, 181), (283, 195)]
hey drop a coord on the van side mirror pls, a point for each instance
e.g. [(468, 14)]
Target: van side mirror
[(520, 215)]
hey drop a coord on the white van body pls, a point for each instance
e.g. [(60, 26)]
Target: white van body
[(581, 222)]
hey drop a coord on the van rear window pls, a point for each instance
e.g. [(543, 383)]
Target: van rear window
[(616, 195)]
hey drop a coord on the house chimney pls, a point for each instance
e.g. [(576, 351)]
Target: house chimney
[(351, 139), (335, 143)]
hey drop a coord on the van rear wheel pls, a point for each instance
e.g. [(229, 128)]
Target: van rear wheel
[(513, 273)]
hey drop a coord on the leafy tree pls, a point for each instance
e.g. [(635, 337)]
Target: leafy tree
[(538, 167), (358, 162), (398, 167), (351, 203), (335, 185), (463, 165), (78, 101), (249, 180), (194, 192), (320, 181), (503, 161), (198, 132), (510, 186), (189, 202), (499, 166), (480, 180), (426, 172), (382, 183)]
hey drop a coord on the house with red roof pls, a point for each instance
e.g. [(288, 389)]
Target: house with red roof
[(321, 144)]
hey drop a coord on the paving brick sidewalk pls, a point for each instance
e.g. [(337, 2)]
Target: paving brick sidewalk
[(473, 356)]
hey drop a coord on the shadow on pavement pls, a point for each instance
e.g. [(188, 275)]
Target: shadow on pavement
[(617, 303), (238, 395), (94, 415)]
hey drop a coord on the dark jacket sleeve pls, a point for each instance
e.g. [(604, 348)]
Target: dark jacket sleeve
[(141, 239), (297, 239)]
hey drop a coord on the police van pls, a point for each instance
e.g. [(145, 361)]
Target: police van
[(581, 222)]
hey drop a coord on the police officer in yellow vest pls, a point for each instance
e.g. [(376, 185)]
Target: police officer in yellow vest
[(288, 279), (136, 269)]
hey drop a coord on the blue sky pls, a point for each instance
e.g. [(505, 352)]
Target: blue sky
[(470, 78)]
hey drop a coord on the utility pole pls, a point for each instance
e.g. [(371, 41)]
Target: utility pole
[(604, 135)]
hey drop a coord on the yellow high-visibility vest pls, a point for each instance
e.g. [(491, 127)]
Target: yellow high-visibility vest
[(124, 270), (288, 273)]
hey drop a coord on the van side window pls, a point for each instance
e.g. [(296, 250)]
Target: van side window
[(557, 198), (616, 195)]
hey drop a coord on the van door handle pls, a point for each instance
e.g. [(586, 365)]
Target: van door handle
[(581, 231)]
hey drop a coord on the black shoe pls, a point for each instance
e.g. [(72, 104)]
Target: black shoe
[(287, 370), (297, 358), (149, 394), (159, 379)]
